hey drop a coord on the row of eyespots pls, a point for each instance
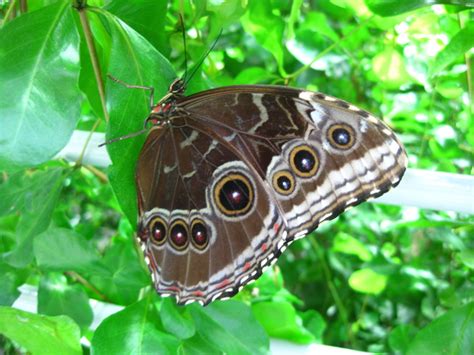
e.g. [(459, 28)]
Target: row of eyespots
[(304, 160), (179, 234)]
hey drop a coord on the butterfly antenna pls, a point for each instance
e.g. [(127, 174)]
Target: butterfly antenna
[(203, 58), (183, 31), (131, 135)]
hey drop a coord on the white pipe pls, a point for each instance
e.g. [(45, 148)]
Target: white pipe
[(419, 188)]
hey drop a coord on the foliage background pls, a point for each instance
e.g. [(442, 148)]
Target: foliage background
[(379, 278)]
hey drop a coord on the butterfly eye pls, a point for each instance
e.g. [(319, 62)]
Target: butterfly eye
[(158, 230), (234, 195), (304, 161), (179, 235), (283, 182), (199, 234), (341, 136)]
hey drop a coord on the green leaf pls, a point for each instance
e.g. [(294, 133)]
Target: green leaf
[(39, 104), (230, 327), (315, 323), (267, 28), (147, 17), (34, 197), (400, 338), (467, 258), (347, 244), (128, 277), (280, 320), (452, 333), (134, 330), (462, 42), (10, 279), (57, 297), (40, 334), (61, 249), (367, 281), (176, 319), (389, 67), (135, 61), (396, 7)]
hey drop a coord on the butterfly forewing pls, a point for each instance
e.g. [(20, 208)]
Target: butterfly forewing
[(237, 173)]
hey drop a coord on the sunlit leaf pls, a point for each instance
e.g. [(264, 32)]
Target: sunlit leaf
[(40, 98), (395, 7), (345, 243), (134, 330), (389, 67), (40, 334), (452, 333), (367, 281)]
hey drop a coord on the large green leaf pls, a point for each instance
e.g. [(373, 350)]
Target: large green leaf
[(230, 327), (396, 7), (57, 297), (176, 319), (61, 249), (462, 42), (147, 17), (452, 333), (134, 330), (34, 197), (135, 61), (40, 334), (280, 320), (39, 94)]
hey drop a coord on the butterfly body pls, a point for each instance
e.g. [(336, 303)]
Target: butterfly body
[(228, 177)]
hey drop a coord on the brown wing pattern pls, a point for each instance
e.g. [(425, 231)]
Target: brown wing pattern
[(240, 172)]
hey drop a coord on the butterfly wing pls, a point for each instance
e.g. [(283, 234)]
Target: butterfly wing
[(240, 172)]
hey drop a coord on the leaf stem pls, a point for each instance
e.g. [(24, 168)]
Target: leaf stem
[(83, 151), (9, 12), (87, 284), (99, 174), (93, 56)]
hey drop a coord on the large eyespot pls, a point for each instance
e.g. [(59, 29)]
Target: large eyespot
[(199, 234), (304, 161), (283, 182), (234, 194), (158, 230), (179, 234), (341, 136)]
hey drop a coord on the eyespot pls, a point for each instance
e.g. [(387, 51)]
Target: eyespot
[(341, 136), (179, 234), (234, 194), (158, 230), (199, 234), (304, 161), (283, 182)]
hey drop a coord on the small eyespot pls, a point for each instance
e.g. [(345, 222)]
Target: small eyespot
[(158, 230), (199, 234), (179, 235), (341, 136), (304, 161), (283, 182), (234, 194)]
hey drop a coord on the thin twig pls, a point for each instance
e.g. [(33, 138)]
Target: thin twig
[(93, 56)]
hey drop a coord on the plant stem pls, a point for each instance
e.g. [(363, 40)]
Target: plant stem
[(100, 175), (87, 284), (9, 13), (332, 288), (94, 58), (83, 151)]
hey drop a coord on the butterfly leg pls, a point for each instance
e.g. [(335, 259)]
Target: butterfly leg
[(128, 86)]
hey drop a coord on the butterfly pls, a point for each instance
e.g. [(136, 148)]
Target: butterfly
[(227, 178)]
